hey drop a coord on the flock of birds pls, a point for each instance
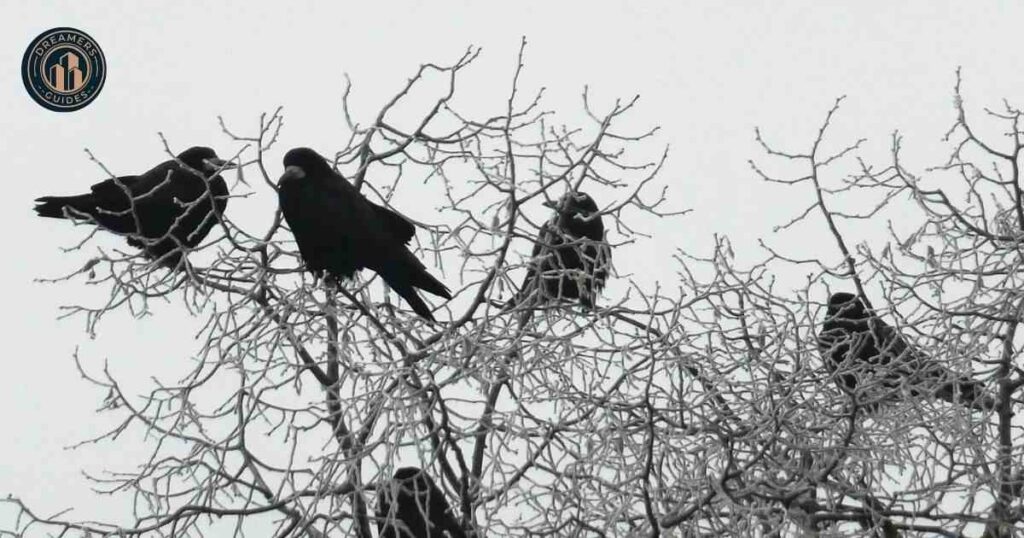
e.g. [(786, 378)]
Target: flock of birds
[(169, 210)]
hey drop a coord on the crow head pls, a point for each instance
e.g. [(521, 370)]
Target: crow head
[(303, 162), (575, 204), (413, 479), (203, 159), (411, 487), (577, 216), (846, 306)]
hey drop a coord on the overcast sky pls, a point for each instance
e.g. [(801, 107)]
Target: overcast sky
[(707, 73)]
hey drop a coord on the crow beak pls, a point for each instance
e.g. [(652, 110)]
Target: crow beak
[(214, 163), (553, 204), (293, 172)]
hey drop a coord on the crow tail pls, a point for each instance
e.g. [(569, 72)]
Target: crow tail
[(968, 393), (973, 395), (415, 301), (420, 278), (53, 206), (526, 289)]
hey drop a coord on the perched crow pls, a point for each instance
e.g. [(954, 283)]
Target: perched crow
[(865, 352), (570, 258), (164, 212), (339, 231), (412, 506)]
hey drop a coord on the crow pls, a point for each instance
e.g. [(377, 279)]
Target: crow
[(339, 231), (164, 212), (410, 505), (570, 258), (863, 351)]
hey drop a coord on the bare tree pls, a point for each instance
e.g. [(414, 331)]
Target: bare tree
[(699, 407), (305, 397), (915, 466)]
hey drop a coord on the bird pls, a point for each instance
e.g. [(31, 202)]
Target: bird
[(410, 505), (339, 231), (570, 258), (865, 353), (164, 212)]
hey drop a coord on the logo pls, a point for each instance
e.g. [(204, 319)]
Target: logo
[(63, 69)]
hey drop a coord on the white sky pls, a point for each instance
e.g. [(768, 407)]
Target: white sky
[(706, 72)]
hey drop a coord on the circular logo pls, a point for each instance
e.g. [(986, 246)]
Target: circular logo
[(63, 69)]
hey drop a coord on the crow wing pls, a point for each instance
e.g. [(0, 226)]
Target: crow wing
[(318, 220), (397, 225), (338, 230), (872, 352)]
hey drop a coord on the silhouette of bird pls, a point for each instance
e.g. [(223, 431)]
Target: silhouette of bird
[(410, 505), (570, 258), (339, 231), (164, 212), (869, 356)]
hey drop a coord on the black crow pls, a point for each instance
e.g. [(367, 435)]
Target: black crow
[(410, 505), (164, 211), (339, 231), (865, 352), (570, 258)]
